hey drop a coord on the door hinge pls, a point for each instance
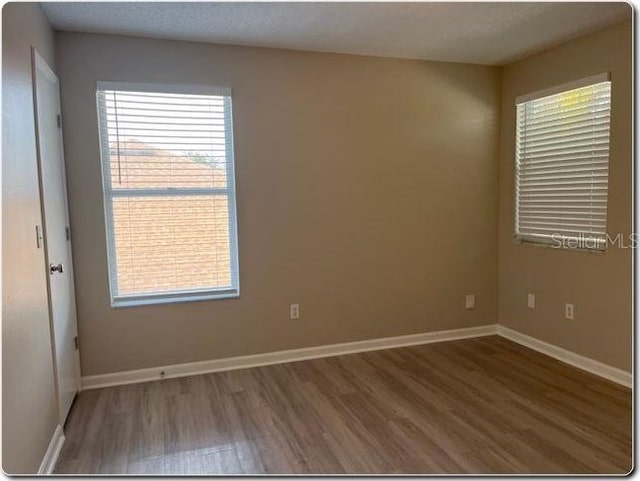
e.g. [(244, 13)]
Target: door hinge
[(59, 119), (76, 343), (39, 237), (67, 232)]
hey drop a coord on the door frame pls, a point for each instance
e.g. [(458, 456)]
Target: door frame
[(39, 65)]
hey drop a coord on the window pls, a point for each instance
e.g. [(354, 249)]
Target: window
[(562, 159), (168, 180)]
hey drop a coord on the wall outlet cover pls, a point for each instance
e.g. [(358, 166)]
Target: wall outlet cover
[(568, 311), (470, 301)]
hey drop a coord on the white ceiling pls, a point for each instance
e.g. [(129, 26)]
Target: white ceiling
[(485, 33)]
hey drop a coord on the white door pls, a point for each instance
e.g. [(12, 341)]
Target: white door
[(62, 303)]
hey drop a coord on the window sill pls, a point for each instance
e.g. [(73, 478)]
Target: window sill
[(173, 298), (548, 246)]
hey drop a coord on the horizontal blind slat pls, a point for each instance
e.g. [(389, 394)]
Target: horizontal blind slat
[(578, 210), (577, 153), (579, 222), (555, 115), (566, 126), (565, 147), (577, 159), (579, 176), (588, 138)]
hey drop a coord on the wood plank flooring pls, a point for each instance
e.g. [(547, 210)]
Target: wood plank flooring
[(484, 405)]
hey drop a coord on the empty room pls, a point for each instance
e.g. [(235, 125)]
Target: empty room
[(317, 238)]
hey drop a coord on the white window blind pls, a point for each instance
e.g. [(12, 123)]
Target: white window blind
[(168, 178), (562, 158)]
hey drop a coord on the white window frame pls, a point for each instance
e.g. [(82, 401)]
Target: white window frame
[(108, 195), (523, 238)]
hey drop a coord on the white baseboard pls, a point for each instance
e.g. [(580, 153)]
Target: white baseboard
[(240, 362), (587, 364), (53, 451)]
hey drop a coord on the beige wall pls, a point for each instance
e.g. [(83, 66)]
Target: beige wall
[(29, 413), (367, 192), (599, 285)]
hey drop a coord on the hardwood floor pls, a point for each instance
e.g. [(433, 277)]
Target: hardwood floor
[(483, 405)]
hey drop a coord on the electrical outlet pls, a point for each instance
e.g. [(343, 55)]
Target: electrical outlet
[(531, 301), (568, 311), (470, 301), (294, 311)]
